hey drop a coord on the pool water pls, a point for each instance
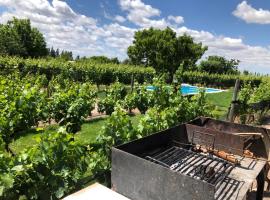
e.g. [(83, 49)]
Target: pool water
[(187, 89)]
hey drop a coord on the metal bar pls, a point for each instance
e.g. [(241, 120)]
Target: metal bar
[(212, 167), (179, 162), (222, 172), (166, 155), (215, 165), (161, 163), (191, 164), (195, 167), (157, 156), (182, 155), (218, 182), (229, 184), (185, 164), (218, 170)]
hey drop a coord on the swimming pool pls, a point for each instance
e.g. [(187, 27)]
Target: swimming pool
[(187, 89)]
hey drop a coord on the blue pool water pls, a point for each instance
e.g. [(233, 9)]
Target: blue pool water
[(187, 89)]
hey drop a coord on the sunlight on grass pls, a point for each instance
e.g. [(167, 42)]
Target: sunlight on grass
[(221, 101)]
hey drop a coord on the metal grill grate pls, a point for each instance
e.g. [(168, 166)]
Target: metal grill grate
[(204, 167)]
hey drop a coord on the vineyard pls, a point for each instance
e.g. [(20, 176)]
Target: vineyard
[(38, 93), (218, 80), (35, 94), (61, 112), (80, 71)]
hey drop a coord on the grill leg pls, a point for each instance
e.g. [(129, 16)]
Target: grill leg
[(260, 185)]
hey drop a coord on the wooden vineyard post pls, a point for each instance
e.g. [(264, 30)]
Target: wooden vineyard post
[(234, 99), (132, 82)]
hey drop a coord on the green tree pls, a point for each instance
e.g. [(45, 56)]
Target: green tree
[(219, 65), (10, 42), (102, 59), (164, 51), (126, 61), (52, 52), (66, 55), (17, 37)]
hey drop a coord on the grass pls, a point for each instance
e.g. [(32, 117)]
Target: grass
[(221, 101), (92, 128), (87, 134)]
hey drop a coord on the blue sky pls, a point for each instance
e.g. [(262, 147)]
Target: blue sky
[(231, 28), (211, 15)]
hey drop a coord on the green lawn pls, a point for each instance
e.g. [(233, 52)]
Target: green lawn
[(87, 134), (221, 101)]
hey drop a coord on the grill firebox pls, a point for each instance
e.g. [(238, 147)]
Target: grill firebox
[(199, 166), (184, 162)]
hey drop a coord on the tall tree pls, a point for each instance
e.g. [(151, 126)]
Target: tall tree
[(19, 38), (164, 51), (57, 53), (10, 42), (66, 55), (52, 52), (219, 65)]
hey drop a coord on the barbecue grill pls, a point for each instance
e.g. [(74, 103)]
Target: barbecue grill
[(190, 161)]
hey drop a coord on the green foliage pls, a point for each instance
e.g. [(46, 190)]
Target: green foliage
[(114, 94), (49, 170), (163, 50), (154, 121), (21, 105), (24, 102), (140, 98), (102, 59), (143, 99), (218, 80), (261, 93), (66, 55), (81, 70), (10, 42), (117, 130), (17, 37), (244, 99), (249, 97), (178, 109), (70, 106), (219, 65)]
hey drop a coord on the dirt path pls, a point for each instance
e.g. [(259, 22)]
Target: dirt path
[(94, 115)]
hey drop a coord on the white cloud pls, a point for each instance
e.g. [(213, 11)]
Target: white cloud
[(249, 14), (63, 28), (119, 18), (66, 29), (253, 58), (143, 15), (176, 19)]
